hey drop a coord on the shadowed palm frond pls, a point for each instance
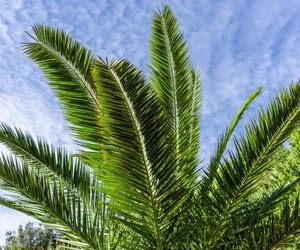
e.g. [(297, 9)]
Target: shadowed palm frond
[(50, 161), (48, 201), (277, 231)]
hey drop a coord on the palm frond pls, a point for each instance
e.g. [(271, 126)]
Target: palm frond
[(225, 138), (135, 174), (50, 161), (240, 174), (194, 125), (277, 231), (66, 64), (128, 173), (50, 202), (135, 183), (267, 204), (177, 88)]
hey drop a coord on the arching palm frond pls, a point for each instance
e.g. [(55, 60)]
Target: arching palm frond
[(196, 217), (66, 64), (61, 167), (225, 138), (241, 173)]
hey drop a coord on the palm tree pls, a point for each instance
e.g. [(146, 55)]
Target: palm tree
[(135, 183)]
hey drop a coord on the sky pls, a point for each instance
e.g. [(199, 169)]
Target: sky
[(237, 46)]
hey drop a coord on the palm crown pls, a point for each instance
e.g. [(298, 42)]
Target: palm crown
[(135, 182)]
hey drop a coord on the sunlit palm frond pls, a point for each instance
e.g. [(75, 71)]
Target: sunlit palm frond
[(66, 64), (240, 174), (128, 174), (135, 183), (177, 88), (225, 138), (135, 175)]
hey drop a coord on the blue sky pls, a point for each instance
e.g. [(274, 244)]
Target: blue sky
[(237, 46)]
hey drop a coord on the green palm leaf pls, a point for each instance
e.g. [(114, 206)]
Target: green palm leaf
[(48, 201), (66, 64), (177, 88), (51, 161), (240, 174), (225, 138), (128, 172), (135, 175)]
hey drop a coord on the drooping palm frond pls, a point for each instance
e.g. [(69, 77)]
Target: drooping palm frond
[(50, 202), (240, 174), (177, 88), (66, 64), (61, 167), (50, 161)]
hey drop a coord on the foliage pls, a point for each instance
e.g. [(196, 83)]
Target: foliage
[(30, 237), (135, 182), (287, 165)]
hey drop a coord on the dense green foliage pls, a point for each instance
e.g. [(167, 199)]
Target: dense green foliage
[(286, 169), (30, 238), (288, 162), (135, 183)]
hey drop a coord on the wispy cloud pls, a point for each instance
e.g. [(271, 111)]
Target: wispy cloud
[(237, 45)]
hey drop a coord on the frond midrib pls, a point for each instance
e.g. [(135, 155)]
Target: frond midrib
[(174, 84), (74, 70), (145, 158), (193, 108)]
